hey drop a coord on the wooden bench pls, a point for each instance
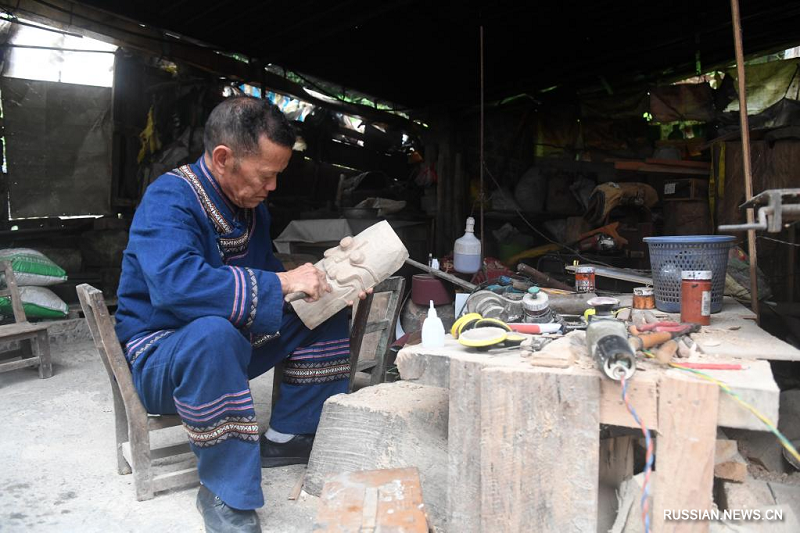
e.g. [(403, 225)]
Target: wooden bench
[(33, 338)]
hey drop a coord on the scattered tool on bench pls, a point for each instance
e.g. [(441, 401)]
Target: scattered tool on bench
[(644, 341)]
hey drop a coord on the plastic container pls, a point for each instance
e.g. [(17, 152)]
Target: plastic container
[(467, 251), (432, 330), (696, 297), (670, 256), (425, 287)]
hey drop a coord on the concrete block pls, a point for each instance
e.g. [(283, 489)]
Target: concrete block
[(391, 425)]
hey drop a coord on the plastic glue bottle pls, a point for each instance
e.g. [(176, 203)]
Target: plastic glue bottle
[(467, 251), (432, 330)]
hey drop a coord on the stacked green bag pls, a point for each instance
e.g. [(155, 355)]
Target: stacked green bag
[(33, 270)]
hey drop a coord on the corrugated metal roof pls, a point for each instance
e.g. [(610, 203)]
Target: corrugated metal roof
[(421, 53)]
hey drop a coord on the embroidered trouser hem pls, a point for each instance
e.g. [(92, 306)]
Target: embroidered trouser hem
[(201, 373)]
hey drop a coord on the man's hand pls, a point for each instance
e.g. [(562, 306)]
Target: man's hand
[(306, 278), (361, 296)]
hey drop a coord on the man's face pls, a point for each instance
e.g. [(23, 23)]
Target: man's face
[(248, 180)]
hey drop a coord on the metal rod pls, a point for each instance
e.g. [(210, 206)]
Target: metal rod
[(15, 20), (748, 176), (444, 275), (481, 196), (32, 47)]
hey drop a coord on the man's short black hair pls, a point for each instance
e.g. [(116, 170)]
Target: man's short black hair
[(240, 121)]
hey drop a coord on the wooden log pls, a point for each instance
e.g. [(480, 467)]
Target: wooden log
[(463, 442), (539, 450), (686, 444), (391, 425)]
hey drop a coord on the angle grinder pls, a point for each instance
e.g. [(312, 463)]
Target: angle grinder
[(607, 339)]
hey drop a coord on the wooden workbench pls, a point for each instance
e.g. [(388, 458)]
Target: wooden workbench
[(524, 447)]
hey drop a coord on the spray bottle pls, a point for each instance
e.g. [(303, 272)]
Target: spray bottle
[(432, 330)]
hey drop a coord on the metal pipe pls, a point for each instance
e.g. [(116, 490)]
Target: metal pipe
[(748, 176), (444, 275), (32, 47), (481, 196), (760, 225)]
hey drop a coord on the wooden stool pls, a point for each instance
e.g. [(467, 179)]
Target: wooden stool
[(33, 338), (133, 423)]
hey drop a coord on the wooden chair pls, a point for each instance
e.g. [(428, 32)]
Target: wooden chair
[(385, 323), (133, 423), (33, 338)]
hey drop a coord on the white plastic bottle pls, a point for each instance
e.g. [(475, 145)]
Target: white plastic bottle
[(432, 330), (467, 251)]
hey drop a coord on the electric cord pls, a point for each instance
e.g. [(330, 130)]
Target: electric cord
[(786, 443), (649, 457)]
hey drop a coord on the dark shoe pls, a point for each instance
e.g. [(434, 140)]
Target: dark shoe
[(293, 452), (219, 518)]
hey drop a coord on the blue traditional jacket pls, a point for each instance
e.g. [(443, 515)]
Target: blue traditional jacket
[(191, 254)]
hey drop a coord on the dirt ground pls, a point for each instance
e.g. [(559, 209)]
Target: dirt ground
[(58, 464)]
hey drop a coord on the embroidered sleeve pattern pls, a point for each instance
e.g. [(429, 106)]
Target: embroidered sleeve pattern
[(239, 296), (251, 316)]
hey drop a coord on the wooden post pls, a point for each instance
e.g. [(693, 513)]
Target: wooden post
[(790, 265), (748, 176), (686, 442), (482, 160), (459, 189), (539, 450)]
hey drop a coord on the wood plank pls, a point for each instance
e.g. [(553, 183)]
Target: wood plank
[(158, 453), (162, 421), (616, 460), (705, 165), (380, 325), (755, 383), (11, 283), (686, 444), (733, 333), (21, 328), (643, 393), (14, 365), (535, 424), (373, 500), (640, 166), (179, 478)]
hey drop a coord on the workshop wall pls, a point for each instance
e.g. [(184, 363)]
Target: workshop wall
[(58, 147)]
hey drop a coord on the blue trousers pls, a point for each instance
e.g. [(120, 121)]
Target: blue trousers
[(201, 373)]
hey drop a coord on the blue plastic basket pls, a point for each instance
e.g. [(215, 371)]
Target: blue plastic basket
[(669, 256)]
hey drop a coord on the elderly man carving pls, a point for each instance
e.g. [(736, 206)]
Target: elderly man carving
[(201, 312)]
